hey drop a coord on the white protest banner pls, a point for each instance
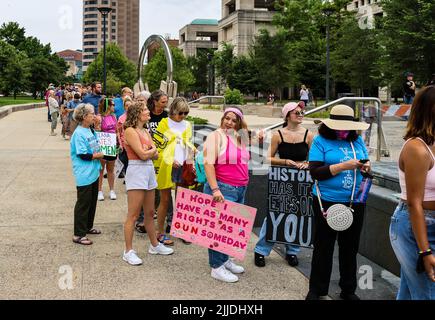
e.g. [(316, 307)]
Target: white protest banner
[(107, 142)]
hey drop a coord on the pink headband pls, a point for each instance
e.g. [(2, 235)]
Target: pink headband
[(234, 110)]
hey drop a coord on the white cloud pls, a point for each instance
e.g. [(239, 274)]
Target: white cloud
[(60, 22)]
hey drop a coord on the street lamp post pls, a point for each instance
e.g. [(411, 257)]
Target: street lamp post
[(327, 11), (96, 65), (104, 12)]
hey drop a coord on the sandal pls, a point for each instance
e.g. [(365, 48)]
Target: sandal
[(140, 228), (163, 238), (94, 231), (82, 240)]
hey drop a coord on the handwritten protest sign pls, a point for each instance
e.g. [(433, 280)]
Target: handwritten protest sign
[(107, 142), (290, 215), (224, 227)]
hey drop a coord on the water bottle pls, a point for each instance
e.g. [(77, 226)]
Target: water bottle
[(364, 188)]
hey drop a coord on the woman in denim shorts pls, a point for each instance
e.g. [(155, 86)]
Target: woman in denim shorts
[(412, 229)]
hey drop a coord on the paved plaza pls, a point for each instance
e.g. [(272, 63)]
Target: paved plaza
[(36, 222)]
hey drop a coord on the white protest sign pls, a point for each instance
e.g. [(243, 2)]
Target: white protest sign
[(107, 142)]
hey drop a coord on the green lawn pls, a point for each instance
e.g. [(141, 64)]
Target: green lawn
[(6, 101)]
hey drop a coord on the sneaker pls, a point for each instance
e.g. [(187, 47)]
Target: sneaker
[(234, 268), (53, 134), (160, 249), (112, 195), (292, 260), (259, 260), (132, 258), (100, 196), (223, 274)]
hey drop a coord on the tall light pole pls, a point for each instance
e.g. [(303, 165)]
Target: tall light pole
[(327, 11), (96, 65), (104, 12)]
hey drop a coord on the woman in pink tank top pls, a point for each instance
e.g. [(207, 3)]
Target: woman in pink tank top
[(106, 108), (226, 166), (412, 229)]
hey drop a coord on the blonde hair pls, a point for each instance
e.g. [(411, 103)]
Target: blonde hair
[(178, 105)]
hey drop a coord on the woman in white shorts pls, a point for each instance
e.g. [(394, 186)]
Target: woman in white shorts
[(140, 181)]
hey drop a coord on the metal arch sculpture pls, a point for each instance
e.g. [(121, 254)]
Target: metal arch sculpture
[(169, 63)]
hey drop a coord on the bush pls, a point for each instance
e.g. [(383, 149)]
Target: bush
[(233, 96), (197, 120)]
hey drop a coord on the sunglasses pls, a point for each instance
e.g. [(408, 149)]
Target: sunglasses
[(299, 113), (183, 113)]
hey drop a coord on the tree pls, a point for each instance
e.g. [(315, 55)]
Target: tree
[(155, 70), (407, 34), (12, 34), (354, 56), (270, 55), (199, 66), (246, 75), (45, 67), (113, 84), (223, 61), (302, 25), (117, 64), (14, 71)]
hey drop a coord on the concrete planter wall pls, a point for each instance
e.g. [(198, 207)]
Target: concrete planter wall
[(6, 110)]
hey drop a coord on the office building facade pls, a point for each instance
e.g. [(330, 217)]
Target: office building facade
[(242, 20), (122, 27), (200, 34)]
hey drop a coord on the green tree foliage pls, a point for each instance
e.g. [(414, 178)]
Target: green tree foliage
[(14, 69), (407, 34), (117, 64), (301, 25), (233, 96), (354, 56), (113, 84), (270, 56), (223, 61), (199, 66), (245, 75), (40, 66), (12, 34), (155, 70)]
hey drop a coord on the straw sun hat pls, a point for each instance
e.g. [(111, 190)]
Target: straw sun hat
[(342, 117)]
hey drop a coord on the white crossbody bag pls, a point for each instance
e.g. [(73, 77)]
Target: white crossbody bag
[(338, 216)]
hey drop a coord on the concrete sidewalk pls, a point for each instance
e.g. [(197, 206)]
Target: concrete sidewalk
[(38, 194)]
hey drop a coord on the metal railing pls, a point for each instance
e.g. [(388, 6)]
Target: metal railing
[(332, 103), (207, 97)]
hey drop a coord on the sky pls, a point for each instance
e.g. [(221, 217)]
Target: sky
[(59, 22)]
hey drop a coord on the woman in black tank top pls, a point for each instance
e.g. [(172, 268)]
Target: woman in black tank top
[(292, 143)]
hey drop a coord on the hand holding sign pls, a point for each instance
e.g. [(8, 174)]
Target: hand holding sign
[(224, 227)]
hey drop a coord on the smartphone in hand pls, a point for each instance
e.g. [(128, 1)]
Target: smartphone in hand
[(364, 160)]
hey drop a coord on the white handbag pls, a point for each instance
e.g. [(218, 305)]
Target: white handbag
[(338, 216)]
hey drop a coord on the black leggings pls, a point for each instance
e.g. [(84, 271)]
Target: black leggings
[(324, 242)]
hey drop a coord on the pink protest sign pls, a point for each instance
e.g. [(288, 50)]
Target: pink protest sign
[(224, 227)]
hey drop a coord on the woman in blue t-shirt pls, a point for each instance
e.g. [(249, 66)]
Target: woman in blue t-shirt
[(335, 162), (86, 166)]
